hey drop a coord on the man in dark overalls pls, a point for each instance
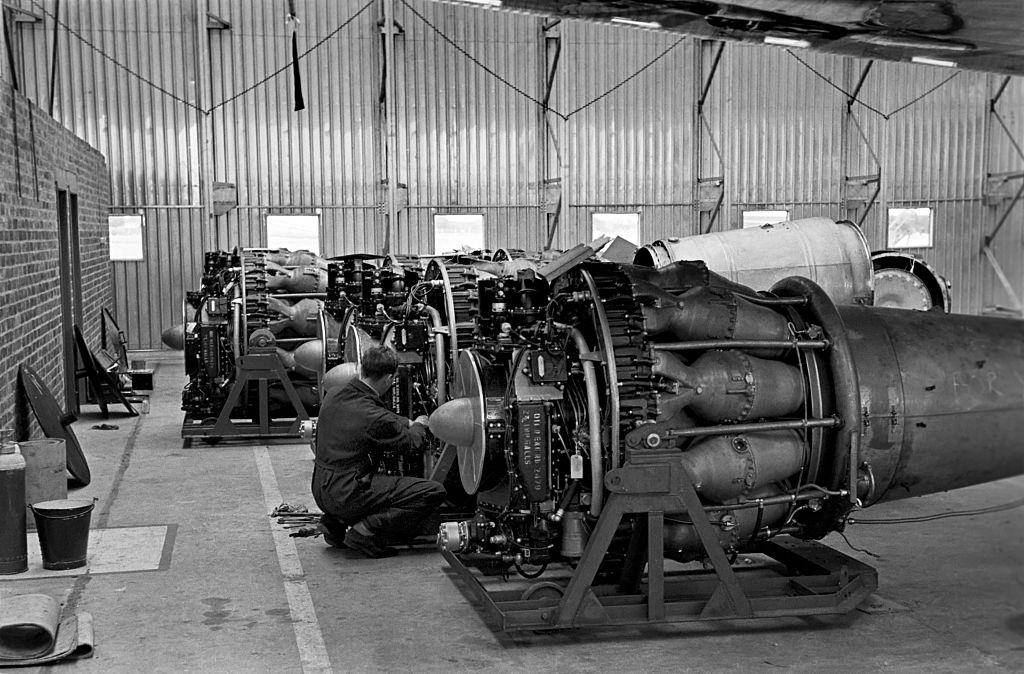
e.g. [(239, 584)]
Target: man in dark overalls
[(353, 430)]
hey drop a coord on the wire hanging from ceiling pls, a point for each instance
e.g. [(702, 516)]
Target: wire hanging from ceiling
[(532, 99), (853, 99), (148, 82)]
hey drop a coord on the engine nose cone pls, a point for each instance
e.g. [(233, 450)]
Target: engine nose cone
[(174, 337), (340, 375), (452, 422)]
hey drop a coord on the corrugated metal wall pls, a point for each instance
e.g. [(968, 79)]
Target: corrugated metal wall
[(630, 148), (469, 143)]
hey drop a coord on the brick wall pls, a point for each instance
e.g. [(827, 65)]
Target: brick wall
[(38, 156)]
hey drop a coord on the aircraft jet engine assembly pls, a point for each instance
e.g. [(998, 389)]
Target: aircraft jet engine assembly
[(245, 334), (648, 414)]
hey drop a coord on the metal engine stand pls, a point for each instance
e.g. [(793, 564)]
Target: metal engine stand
[(808, 578)]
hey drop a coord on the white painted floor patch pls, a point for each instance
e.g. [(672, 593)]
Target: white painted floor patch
[(114, 550)]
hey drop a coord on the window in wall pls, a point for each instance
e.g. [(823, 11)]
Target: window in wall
[(625, 225), (910, 227), (294, 232), (458, 233), (758, 218), (126, 240)]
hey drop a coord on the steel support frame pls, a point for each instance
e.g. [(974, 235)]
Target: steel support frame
[(708, 191), (264, 369), (815, 580), (389, 111), (551, 168), (996, 193), (860, 192)]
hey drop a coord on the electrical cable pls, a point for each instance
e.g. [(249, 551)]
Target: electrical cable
[(537, 102), (114, 61), (179, 99), (289, 64), (854, 99), (855, 548), (941, 516)]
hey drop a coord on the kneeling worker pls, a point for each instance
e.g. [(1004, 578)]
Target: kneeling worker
[(353, 430)]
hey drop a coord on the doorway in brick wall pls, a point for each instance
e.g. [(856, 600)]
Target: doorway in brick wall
[(70, 291)]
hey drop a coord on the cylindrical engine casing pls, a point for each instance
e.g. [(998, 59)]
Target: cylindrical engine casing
[(308, 279), (705, 313), (834, 255), (682, 542), (727, 466), (733, 386), (941, 396)]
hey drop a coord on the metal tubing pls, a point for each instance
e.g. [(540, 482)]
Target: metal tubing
[(611, 372), (844, 373), (736, 429), (313, 296), (439, 361), (774, 301), (776, 500), (593, 424), (702, 345), (295, 340)]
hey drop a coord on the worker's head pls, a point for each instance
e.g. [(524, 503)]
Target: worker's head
[(378, 366)]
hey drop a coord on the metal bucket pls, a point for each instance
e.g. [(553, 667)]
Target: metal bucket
[(63, 528), (832, 254)]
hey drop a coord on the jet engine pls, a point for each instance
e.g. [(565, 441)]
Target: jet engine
[(255, 311), (783, 411)]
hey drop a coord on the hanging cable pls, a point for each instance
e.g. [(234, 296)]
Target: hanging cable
[(854, 99), (513, 87), (174, 96), (114, 61), (289, 65)]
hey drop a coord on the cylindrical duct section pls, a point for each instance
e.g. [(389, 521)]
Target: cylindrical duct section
[(834, 255), (906, 281), (941, 396)]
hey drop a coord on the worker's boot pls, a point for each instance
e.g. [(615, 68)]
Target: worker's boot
[(333, 530), (368, 545)]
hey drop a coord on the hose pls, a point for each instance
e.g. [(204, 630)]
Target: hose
[(439, 350), (593, 421)]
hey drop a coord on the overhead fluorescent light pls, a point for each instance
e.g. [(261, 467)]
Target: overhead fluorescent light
[(916, 42), (489, 3), (641, 24), (786, 42), (925, 61)]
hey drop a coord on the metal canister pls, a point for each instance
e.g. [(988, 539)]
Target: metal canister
[(832, 254), (13, 541)]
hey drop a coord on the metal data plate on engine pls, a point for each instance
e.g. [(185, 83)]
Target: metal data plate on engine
[(533, 438)]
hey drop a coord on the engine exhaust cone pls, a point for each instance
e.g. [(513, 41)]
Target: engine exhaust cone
[(452, 422)]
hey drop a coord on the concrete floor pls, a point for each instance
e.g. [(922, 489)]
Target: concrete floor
[(234, 595)]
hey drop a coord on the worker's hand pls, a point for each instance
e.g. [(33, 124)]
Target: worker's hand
[(422, 420), (418, 435)]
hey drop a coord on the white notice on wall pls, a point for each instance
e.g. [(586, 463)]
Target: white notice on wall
[(125, 237)]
